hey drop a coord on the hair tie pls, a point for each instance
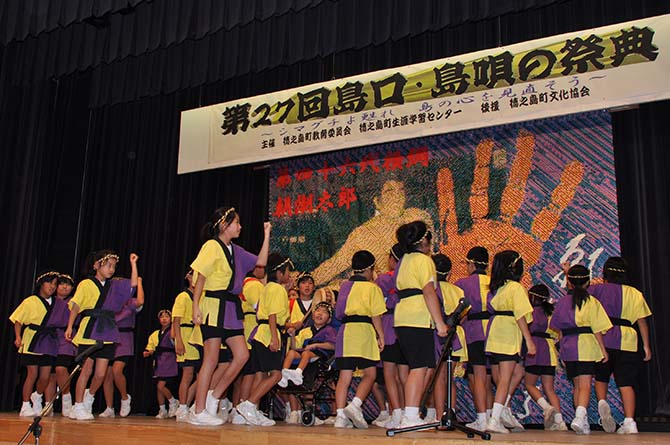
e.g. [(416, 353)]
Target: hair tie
[(46, 274), (516, 260), (481, 263), (364, 268), (225, 215), (109, 256), (579, 276), (614, 269), (420, 240), (282, 264)]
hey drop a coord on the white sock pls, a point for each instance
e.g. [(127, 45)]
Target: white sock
[(628, 420), (431, 413), (543, 403), (357, 402), (183, 406), (481, 417), (412, 411), (397, 413), (67, 398), (496, 411), (558, 418), (507, 399), (26, 404), (488, 414), (580, 412), (162, 409), (172, 401), (298, 370), (340, 412)]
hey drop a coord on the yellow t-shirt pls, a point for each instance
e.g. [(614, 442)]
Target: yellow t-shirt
[(251, 295), (212, 263), (451, 295), (360, 339), (633, 308), (297, 315), (504, 336), (152, 342), (415, 272), (592, 314), (273, 301), (85, 297), (183, 309), (32, 310)]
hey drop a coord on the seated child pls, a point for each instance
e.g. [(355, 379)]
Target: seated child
[(310, 343)]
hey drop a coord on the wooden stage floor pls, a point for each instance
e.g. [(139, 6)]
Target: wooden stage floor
[(137, 430)]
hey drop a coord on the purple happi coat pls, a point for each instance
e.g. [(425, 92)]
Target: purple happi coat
[(45, 340), (165, 359), (474, 330), (125, 321), (540, 325), (103, 327), (386, 282)]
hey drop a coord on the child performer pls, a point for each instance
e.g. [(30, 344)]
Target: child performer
[(393, 362), (360, 338), (416, 313), (543, 364), (508, 302), (266, 344), (449, 296), (188, 356), (311, 343), (581, 321), (66, 350), (123, 352), (476, 288), (98, 298), (301, 307), (221, 266), (37, 347), (625, 307), (165, 364)]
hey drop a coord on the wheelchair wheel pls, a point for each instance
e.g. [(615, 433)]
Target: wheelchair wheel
[(308, 417)]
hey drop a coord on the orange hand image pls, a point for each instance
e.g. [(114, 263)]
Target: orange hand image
[(500, 234)]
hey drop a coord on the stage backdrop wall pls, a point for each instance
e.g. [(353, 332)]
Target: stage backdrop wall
[(545, 188)]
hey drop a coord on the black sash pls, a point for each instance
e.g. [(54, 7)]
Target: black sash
[(406, 293), (249, 313), (186, 325), (504, 313), (126, 329), (576, 331), (40, 330), (540, 334), (104, 318), (226, 295), (356, 319), (268, 322), (484, 315), (621, 322)]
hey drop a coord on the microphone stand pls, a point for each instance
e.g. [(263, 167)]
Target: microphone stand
[(35, 428), (448, 422)]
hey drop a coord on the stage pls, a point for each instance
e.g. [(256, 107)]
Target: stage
[(137, 430)]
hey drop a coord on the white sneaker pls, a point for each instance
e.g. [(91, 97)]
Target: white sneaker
[(108, 413), (66, 402), (79, 412), (173, 406), (162, 413), (318, 422), (580, 425), (558, 426), (125, 407), (249, 412), (182, 413), (293, 418), (330, 420), (628, 428), (238, 419), (408, 422), (495, 426), (606, 419), (431, 416), (263, 420), (510, 421), (212, 403), (549, 415), (355, 414), (343, 422), (283, 383), (224, 409), (27, 410), (203, 418), (381, 419), (479, 425), (37, 402), (88, 401), (295, 376)]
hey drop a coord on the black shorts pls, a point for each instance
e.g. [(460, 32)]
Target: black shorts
[(214, 332), (36, 360), (195, 364), (124, 359), (225, 356), (575, 369), (497, 358), (265, 360), (65, 361), (106, 352), (418, 346), (353, 363), (393, 354), (476, 353), (541, 370), (625, 366), (379, 379)]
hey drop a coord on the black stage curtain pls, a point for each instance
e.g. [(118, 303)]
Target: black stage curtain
[(90, 133)]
